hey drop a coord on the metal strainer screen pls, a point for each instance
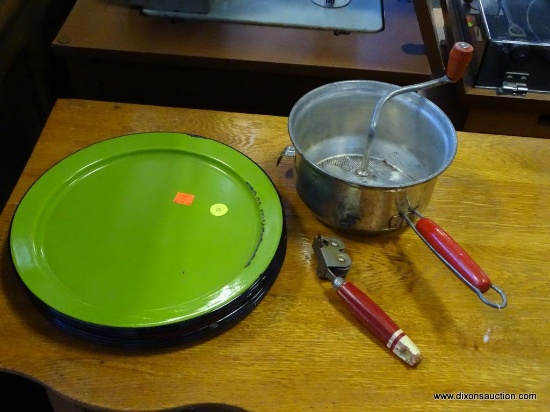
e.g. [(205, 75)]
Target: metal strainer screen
[(380, 171)]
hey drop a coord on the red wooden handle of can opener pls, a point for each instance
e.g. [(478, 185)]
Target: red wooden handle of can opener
[(379, 323), (368, 312), (459, 59), (453, 253)]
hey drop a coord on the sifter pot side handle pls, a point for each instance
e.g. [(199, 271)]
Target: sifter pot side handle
[(455, 258)]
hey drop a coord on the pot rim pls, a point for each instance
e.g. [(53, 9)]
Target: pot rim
[(356, 85)]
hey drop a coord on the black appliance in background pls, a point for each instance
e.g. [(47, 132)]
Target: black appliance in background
[(511, 39)]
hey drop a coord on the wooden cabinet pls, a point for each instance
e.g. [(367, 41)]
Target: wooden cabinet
[(30, 79), (115, 53)]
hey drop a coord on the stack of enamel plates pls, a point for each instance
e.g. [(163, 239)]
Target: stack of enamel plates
[(150, 239)]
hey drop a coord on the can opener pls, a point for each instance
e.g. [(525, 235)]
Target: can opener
[(334, 265)]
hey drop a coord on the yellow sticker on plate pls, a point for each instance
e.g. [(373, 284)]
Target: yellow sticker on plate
[(218, 209)]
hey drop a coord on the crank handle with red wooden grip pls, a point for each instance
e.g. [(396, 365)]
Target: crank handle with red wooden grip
[(459, 59), (455, 258)]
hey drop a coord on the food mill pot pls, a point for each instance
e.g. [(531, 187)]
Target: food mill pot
[(415, 143)]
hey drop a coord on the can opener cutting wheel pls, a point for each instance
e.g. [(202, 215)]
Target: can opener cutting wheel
[(334, 265)]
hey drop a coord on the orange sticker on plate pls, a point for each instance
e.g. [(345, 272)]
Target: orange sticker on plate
[(184, 198)]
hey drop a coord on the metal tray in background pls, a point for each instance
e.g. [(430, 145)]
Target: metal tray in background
[(356, 16)]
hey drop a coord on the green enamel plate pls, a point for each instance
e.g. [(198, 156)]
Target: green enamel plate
[(148, 230)]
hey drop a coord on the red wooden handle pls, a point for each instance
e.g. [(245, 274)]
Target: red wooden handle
[(453, 253), (459, 58), (368, 312)]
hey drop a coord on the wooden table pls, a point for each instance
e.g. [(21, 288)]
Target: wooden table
[(300, 349)]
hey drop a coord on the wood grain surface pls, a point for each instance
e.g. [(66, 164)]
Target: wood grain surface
[(300, 349)]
